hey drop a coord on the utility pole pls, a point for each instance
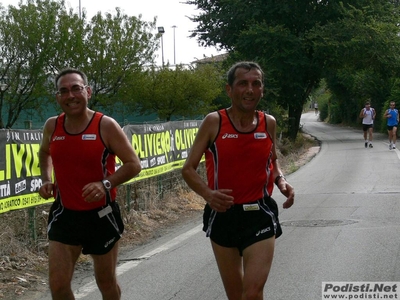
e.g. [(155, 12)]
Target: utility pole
[(161, 31), (174, 43)]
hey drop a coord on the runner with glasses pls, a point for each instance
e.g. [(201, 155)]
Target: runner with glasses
[(76, 90), (81, 146)]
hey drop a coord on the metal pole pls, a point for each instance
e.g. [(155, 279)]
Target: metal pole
[(162, 50), (162, 31), (80, 10), (31, 210), (174, 44)]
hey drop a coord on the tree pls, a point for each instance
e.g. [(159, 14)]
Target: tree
[(41, 37), (117, 48), (282, 35), (180, 92), (361, 51), (26, 34), (111, 49)]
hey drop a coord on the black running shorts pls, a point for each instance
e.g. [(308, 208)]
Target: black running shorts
[(243, 224), (96, 235), (367, 126)]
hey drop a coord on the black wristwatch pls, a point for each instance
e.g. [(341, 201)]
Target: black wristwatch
[(277, 178), (106, 184)]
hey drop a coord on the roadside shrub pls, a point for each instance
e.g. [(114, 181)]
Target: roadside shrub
[(323, 106)]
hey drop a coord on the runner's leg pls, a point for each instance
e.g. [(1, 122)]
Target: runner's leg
[(62, 259), (257, 261), (105, 274), (230, 268)]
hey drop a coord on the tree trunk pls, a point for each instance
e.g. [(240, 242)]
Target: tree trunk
[(295, 111)]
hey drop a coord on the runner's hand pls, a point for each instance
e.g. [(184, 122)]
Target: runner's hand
[(220, 200), (46, 190), (288, 191)]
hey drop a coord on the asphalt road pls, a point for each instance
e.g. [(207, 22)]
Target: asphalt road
[(344, 226)]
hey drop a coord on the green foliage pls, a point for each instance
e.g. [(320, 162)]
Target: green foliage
[(354, 44), (322, 96), (25, 38), (362, 48), (40, 37), (323, 108), (180, 91), (275, 34), (118, 47), (116, 51), (335, 112)]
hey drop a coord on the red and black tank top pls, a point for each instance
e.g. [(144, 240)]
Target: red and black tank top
[(79, 159), (241, 161)]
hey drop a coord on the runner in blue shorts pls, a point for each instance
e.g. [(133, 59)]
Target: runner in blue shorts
[(392, 115)]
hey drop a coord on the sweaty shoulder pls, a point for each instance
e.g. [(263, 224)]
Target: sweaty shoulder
[(212, 118), (50, 121), (271, 126), (211, 122), (106, 120), (270, 120), (109, 127), (50, 125), (210, 126)]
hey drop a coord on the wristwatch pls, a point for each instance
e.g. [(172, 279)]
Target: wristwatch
[(106, 184), (277, 178)]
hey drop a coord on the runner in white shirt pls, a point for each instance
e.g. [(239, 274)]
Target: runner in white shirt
[(368, 115)]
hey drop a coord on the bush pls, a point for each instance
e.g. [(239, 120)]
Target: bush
[(323, 105)]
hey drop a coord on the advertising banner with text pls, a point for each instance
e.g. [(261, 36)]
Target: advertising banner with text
[(19, 169), (161, 148)]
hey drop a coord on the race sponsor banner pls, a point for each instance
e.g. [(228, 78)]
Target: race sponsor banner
[(161, 148), (19, 169)]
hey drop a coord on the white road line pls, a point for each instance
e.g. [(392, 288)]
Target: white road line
[(92, 286), (396, 150)]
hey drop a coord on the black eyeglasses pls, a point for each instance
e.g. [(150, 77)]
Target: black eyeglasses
[(75, 90)]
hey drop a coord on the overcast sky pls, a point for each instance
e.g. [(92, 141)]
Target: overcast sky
[(168, 13)]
